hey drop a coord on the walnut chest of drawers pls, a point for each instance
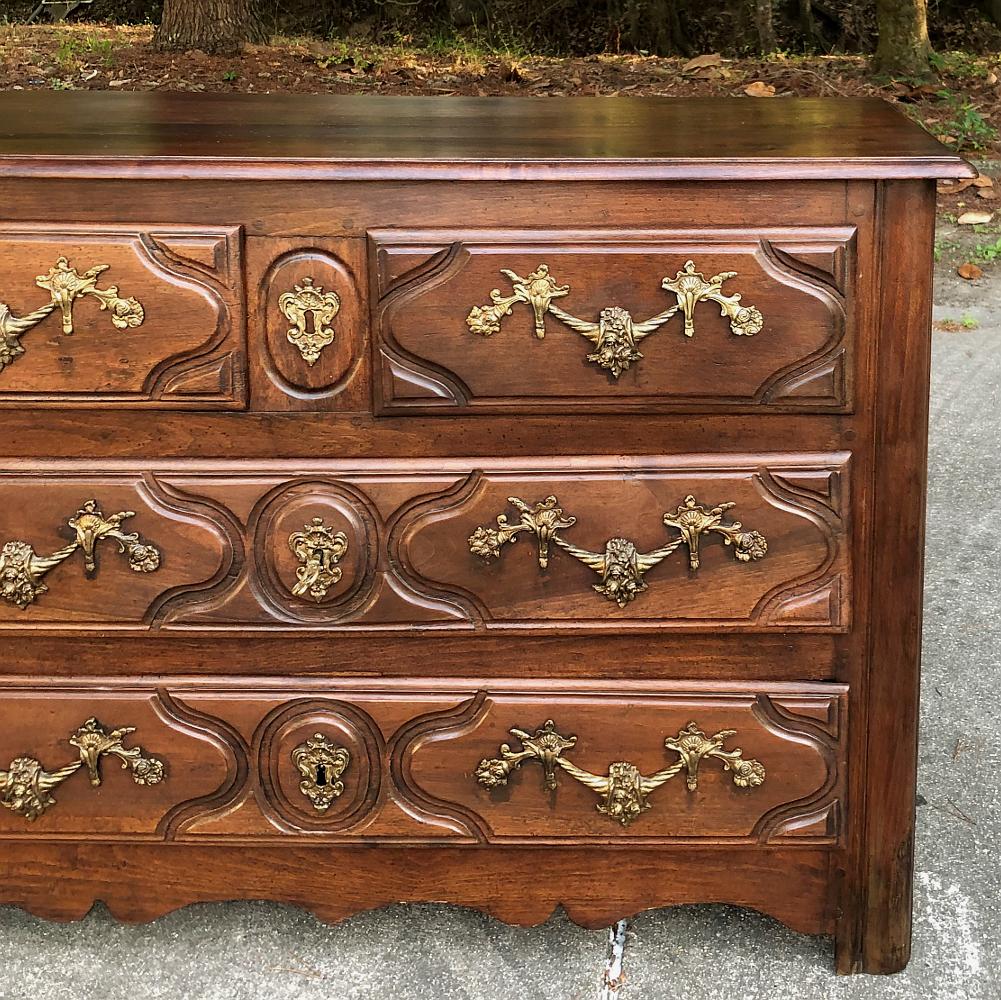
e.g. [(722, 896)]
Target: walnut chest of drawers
[(509, 503)]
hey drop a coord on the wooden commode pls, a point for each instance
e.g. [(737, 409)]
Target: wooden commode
[(513, 503)]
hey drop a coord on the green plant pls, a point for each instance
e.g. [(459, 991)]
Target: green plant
[(966, 129), (943, 247), (989, 253), (230, 75)]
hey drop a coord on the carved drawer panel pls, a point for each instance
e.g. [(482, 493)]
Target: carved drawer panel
[(116, 763), (540, 323), (99, 315), (435, 761), (738, 542)]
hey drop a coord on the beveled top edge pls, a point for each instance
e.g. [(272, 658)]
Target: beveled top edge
[(282, 136)]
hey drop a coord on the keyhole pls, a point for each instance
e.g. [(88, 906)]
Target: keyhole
[(321, 775)]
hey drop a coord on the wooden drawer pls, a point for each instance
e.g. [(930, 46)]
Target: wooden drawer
[(544, 322), (114, 763), (103, 315), (423, 761), (748, 543)]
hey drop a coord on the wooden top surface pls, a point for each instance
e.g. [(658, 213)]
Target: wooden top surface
[(168, 134)]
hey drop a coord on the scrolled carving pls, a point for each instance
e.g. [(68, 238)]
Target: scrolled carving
[(624, 789)]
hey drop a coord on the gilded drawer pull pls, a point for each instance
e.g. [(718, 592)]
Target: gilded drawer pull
[(309, 309), (615, 334), (624, 789), (25, 786), (621, 567), (321, 764), (65, 285), (22, 568), (319, 549)]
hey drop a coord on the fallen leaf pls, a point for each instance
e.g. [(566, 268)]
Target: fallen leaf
[(988, 194), (759, 89), (947, 188), (119, 83), (992, 78), (707, 61), (975, 218), (969, 271), (983, 181)]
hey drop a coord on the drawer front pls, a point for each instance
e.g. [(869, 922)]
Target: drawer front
[(115, 764), (105, 315), (747, 543), (729, 320), (522, 762)]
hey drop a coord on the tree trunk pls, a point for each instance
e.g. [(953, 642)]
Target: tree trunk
[(764, 24), (904, 48), (216, 26), (462, 13), (992, 8)]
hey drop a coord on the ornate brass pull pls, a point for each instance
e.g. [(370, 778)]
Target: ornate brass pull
[(65, 285), (309, 309), (25, 786), (624, 789), (321, 764), (22, 568), (621, 567), (319, 549), (615, 334)]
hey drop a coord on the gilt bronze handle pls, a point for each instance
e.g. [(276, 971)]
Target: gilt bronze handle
[(623, 790), (22, 569), (26, 785), (615, 335), (621, 566), (65, 285)]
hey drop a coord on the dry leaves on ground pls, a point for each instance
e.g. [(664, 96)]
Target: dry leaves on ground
[(759, 89), (975, 218), (969, 271)]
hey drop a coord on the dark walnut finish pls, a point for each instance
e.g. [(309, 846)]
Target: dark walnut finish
[(532, 491)]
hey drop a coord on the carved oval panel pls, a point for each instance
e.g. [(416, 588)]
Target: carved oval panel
[(315, 546), (311, 312), (318, 765)]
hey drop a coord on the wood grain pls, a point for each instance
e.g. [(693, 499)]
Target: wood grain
[(206, 423)]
